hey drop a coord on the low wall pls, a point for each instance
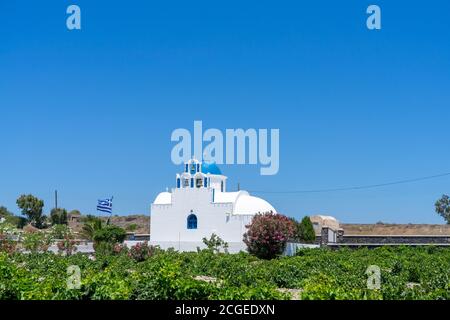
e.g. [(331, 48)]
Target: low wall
[(394, 239), (233, 247), (83, 247), (88, 247), (291, 248)]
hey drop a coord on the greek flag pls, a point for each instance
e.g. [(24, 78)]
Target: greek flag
[(105, 205)]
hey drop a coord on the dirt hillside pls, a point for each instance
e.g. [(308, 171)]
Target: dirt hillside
[(138, 224)]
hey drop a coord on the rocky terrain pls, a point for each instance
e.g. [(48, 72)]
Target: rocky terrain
[(138, 224)]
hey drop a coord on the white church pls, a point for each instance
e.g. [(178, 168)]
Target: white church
[(199, 206)]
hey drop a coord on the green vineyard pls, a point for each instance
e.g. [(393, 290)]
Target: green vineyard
[(404, 273)]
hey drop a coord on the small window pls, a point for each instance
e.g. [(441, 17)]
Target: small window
[(186, 168), (206, 182), (178, 183), (221, 186), (192, 182), (192, 221)]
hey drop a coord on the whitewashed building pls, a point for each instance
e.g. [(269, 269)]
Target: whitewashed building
[(199, 206)]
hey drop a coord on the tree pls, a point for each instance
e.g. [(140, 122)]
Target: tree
[(58, 216), (32, 208), (268, 234), (91, 225), (110, 234), (4, 212), (106, 238), (296, 235), (10, 218), (443, 207), (306, 230)]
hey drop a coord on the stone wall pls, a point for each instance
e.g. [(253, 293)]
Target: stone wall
[(396, 229), (332, 238), (391, 239)]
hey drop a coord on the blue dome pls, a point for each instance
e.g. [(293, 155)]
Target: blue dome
[(211, 168)]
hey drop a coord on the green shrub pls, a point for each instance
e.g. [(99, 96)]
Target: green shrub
[(317, 274), (215, 243), (163, 279), (11, 219), (110, 234), (60, 231), (36, 241), (132, 227), (106, 238), (58, 216)]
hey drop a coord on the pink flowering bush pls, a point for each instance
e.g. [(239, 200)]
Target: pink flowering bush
[(141, 251), (267, 235)]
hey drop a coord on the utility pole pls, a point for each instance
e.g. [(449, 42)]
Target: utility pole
[(56, 199), (239, 186)]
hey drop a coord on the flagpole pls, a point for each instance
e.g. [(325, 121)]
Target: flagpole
[(110, 215)]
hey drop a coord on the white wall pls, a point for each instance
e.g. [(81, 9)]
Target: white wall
[(169, 222)]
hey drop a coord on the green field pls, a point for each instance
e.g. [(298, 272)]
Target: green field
[(406, 273)]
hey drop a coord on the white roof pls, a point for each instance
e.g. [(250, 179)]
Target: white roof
[(244, 203), (227, 197), (163, 198), (252, 205)]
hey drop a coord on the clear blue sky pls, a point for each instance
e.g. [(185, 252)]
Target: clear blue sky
[(90, 112)]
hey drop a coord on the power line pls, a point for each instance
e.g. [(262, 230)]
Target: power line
[(370, 186)]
